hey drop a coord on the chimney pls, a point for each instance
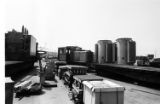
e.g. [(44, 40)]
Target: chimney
[(23, 29)]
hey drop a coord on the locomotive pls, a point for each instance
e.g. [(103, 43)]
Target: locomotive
[(20, 52)]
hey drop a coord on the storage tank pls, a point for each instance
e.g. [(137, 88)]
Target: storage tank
[(104, 51), (131, 52), (125, 51), (114, 52), (96, 53)]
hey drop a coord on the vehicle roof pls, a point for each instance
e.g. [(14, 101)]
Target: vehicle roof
[(81, 78)]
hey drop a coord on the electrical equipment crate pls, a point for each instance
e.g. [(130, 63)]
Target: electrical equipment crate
[(77, 69), (78, 86), (102, 92)]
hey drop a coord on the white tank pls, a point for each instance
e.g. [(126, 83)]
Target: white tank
[(104, 51), (96, 53), (131, 52), (114, 52), (124, 48)]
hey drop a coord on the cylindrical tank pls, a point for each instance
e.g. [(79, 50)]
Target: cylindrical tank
[(104, 51), (96, 53), (124, 50), (131, 52), (114, 52)]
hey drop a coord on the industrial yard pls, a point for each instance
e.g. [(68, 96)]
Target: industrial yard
[(81, 51), (133, 94), (77, 76)]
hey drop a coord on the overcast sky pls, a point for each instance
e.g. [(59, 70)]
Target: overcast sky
[(58, 23)]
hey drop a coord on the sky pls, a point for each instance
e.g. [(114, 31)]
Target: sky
[(57, 23)]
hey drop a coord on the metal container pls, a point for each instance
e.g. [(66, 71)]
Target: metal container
[(77, 69), (9, 85), (77, 91), (125, 51), (102, 92), (104, 51)]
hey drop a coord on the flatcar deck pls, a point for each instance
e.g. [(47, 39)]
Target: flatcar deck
[(12, 62), (141, 74), (133, 67)]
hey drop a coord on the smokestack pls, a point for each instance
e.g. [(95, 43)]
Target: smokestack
[(23, 29), (27, 31)]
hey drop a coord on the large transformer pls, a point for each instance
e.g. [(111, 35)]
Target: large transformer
[(83, 56), (19, 47), (126, 51), (20, 52), (75, 55), (104, 51), (66, 53)]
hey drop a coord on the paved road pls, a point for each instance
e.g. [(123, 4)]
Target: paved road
[(135, 94)]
